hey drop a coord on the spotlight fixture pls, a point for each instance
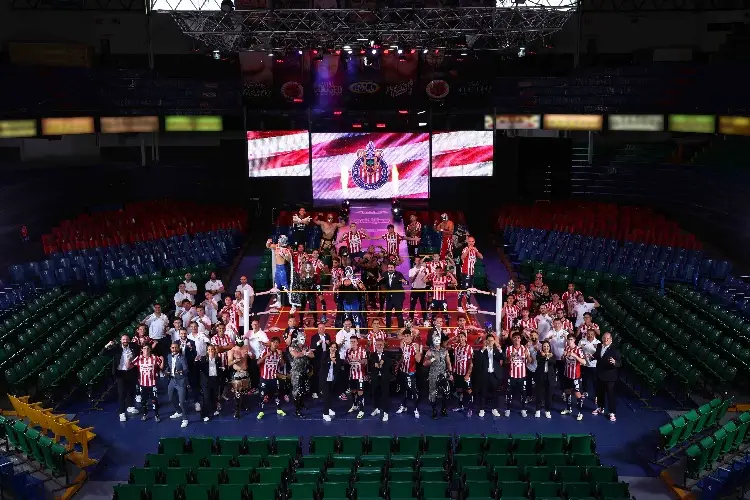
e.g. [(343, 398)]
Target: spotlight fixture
[(227, 5), (374, 51), (299, 52), (521, 51), (216, 55), (345, 209), (424, 51), (270, 54), (396, 210), (400, 51)]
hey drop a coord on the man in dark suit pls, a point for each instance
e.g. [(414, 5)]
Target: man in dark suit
[(380, 368), (212, 375), (608, 363), (126, 376), (188, 350), (176, 368), (320, 344), (393, 283), (328, 373), (488, 366)]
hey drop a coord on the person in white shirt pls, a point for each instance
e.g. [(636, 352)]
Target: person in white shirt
[(588, 371), (343, 340), (543, 320), (244, 285), (557, 338), (174, 332), (186, 312), (203, 321), (190, 287), (182, 295), (201, 341), (157, 324), (214, 286), (582, 307), (256, 341), (211, 306), (417, 280)]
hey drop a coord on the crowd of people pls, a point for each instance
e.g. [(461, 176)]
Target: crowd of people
[(547, 343)]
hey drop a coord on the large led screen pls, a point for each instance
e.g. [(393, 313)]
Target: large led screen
[(370, 165), (278, 153), (462, 154)]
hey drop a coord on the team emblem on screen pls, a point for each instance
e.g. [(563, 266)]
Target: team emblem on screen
[(370, 170)]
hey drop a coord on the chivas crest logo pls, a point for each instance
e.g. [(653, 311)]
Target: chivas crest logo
[(370, 170)]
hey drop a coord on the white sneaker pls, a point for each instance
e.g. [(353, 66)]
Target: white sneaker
[(197, 407), (123, 417), (481, 413), (579, 416), (205, 419), (315, 395), (184, 423), (352, 409), (132, 410), (176, 415), (507, 413), (216, 413), (292, 311), (375, 412), (548, 414), (385, 417), (566, 412), (537, 414), (327, 418), (497, 413), (401, 409), (360, 414), (138, 398), (460, 310), (523, 413), (416, 413), (332, 413)]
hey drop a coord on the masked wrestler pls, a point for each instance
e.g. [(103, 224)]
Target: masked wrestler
[(445, 227), (281, 276), (306, 297), (440, 374), (329, 227), (300, 356), (237, 360)]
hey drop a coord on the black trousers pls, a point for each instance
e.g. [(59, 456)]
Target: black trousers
[(606, 389), (329, 390), (543, 394), (307, 299), (516, 386), (394, 301), (211, 391), (560, 369), (417, 295), (162, 346), (148, 395), (380, 393), (487, 395), (299, 237), (254, 373), (588, 374), (413, 250), (125, 380)]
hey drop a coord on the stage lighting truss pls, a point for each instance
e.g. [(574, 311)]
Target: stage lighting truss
[(505, 27)]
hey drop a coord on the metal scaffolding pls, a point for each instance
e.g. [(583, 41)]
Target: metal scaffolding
[(479, 28)]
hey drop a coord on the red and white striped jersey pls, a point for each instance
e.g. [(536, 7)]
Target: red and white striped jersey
[(222, 341), (585, 328), (357, 358), (270, 365), (353, 240), (414, 230), (374, 336), (516, 359), (531, 323), (147, 369), (337, 276), (510, 313), (570, 300), (462, 356), (523, 300), (392, 242), (567, 325), (317, 265), (439, 284), (572, 366), (432, 266), (468, 259), (234, 315), (553, 307), (408, 362), (298, 258)]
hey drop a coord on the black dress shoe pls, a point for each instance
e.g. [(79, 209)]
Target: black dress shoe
[(434, 414), (444, 412)]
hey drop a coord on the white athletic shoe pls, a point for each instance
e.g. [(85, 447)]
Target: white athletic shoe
[(537, 414), (401, 409), (548, 414), (332, 413), (385, 417), (184, 423), (507, 413), (566, 412), (375, 412), (523, 413), (352, 409), (315, 395), (138, 398), (205, 419), (197, 407), (360, 414), (123, 417), (497, 413), (176, 415), (579, 416), (132, 410), (327, 418), (481, 413), (416, 413)]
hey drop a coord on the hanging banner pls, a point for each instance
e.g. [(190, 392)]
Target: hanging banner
[(456, 78), (517, 122), (290, 76), (257, 77)]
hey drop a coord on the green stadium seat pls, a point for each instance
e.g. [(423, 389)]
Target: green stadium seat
[(401, 474), (220, 461), (380, 445), (438, 444), (231, 492), (259, 446), (302, 491), (613, 490), (367, 489), (198, 491), (323, 445), (518, 489), (544, 489), (697, 457), (409, 445), (209, 475), (314, 462), (743, 421), (461, 460), (479, 489), (471, 443), (263, 490), (498, 443), (177, 475), (373, 461), (251, 461), (157, 460), (551, 443), (352, 445), (403, 461), (269, 475), (508, 473), (527, 459), (336, 475), (291, 446), (172, 445), (231, 445), (344, 462), (581, 444), (402, 489), (570, 474), (435, 489), (368, 474), (188, 460), (585, 460), (498, 459), (334, 490), (307, 475), (432, 474), (283, 461), (433, 460), (577, 490), (54, 455), (144, 475), (602, 474), (555, 459), (476, 473), (669, 434), (539, 473), (130, 492), (201, 445), (719, 437), (239, 475)]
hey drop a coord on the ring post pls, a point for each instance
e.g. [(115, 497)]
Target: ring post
[(498, 309)]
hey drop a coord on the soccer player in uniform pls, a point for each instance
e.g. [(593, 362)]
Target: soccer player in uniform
[(269, 362), (392, 240), (356, 356), (413, 236), (411, 355), (469, 256), (510, 312), (516, 357), (440, 281), (147, 364), (375, 334), (463, 355), (353, 240), (526, 322), (573, 358)]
